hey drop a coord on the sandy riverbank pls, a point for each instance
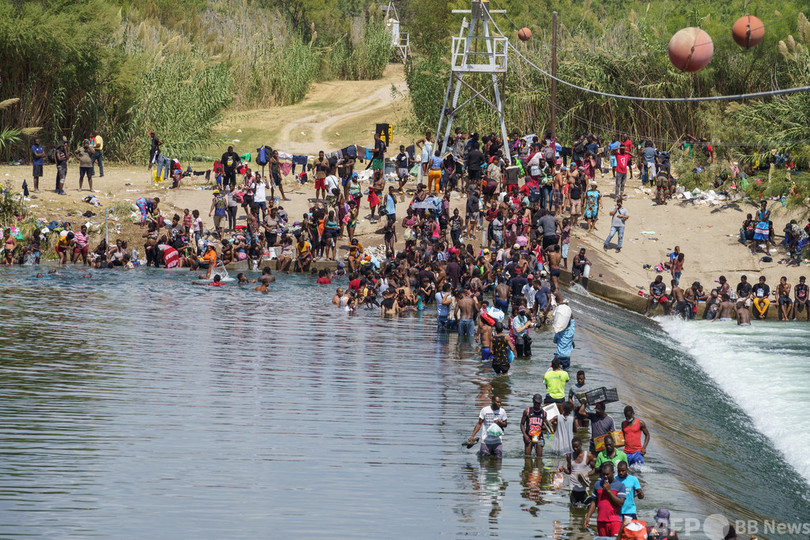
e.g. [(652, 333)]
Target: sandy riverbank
[(707, 235)]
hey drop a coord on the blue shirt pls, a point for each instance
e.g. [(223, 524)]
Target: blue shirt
[(436, 163), (565, 341), (541, 297), (631, 485), (37, 149), (390, 205)]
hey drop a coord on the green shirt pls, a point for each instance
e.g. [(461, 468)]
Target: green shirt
[(555, 382), (602, 458)]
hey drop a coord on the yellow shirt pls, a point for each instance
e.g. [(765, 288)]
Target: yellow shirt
[(98, 142), (555, 382)]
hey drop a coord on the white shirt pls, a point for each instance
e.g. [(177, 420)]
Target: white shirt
[(332, 182), (260, 193), (489, 416)]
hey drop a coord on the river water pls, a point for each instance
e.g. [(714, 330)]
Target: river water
[(137, 405)]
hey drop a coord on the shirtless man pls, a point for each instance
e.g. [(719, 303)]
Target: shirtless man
[(678, 300), (267, 276), (801, 301), (783, 299), (501, 296), (690, 297), (573, 178), (743, 314), (464, 313), (726, 311), (554, 260), (337, 297), (484, 334), (556, 192)]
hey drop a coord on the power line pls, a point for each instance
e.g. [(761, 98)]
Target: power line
[(734, 97), (639, 53)]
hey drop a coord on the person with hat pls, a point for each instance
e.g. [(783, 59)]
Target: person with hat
[(661, 530), (533, 425), (619, 217)]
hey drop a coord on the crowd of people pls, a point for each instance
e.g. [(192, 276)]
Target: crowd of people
[(722, 302)]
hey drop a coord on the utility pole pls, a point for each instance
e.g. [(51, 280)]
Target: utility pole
[(554, 74)]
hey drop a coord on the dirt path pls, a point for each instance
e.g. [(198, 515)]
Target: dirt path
[(334, 114)]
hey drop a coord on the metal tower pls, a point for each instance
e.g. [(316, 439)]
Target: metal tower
[(477, 52), (400, 40)]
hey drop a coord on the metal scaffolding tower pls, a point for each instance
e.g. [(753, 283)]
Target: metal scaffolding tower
[(400, 40), (477, 52)]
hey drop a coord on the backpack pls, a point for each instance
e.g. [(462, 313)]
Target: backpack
[(548, 153), (264, 153), (534, 194)]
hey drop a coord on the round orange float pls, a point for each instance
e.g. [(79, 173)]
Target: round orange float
[(748, 31), (524, 34), (691, 49)]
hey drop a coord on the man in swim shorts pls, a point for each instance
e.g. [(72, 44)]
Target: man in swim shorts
[(726, 311), (484, 335), (801, 300)]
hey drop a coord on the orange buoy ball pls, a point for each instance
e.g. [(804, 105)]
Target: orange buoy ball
[(748, 31), (524, 34), (691, 49)]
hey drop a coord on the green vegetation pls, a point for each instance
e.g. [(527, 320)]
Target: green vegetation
[(599, 48), (125, 67)]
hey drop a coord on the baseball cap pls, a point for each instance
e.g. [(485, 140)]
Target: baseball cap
[(516, 246), (537, 398), (216, 192)]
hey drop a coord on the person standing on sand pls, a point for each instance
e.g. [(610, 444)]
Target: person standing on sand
[(37, 161), (230, 162), (154, 150), (494, 420), (98, 152), (620, 216), (85, 156), (624, 162), (61, 156)]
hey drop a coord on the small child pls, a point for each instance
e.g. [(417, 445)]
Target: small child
[(187, 221)]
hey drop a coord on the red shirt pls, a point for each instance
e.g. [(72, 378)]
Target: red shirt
[(354, 284), (622, 160), (324, 280)]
